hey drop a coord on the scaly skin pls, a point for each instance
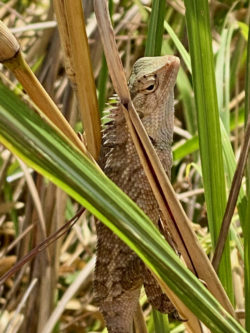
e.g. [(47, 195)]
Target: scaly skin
[(119, 273)]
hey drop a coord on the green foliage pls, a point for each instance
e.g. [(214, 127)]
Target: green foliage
[(155, 30), (199, 34), (47, 151), (247, 211), (204, 93)]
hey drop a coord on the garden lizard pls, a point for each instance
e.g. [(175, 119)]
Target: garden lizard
[(120, 273)]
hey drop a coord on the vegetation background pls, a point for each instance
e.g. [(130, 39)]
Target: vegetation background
[(53, 292)]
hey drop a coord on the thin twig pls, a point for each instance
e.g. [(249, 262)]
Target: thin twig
[(232, 199)]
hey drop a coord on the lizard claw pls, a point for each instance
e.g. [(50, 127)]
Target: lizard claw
[(176, 316)]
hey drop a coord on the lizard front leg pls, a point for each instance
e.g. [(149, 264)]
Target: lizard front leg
[(157, 298)]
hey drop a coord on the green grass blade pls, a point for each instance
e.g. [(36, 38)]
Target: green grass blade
[(183, 52), (188, 147), (155, 29), (102, 83), (244, 29), (223, 76), (226, 109), (43, 148), (184, 87), (200, 45), (142, 9), (236, 59), (161, 322), (187, 99), (219, 68), (246, 229), (191, 145), (103, 76), (222, 79)]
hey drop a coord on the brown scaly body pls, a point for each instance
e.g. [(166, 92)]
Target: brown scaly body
[(119, 273)]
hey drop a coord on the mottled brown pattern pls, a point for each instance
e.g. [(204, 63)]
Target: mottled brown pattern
[(119, 273)]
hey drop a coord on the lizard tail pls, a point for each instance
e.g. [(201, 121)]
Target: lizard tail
[(119, 313), (117, 282)]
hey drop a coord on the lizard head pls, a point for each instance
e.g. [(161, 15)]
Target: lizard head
[(151, 86), (152, 78)]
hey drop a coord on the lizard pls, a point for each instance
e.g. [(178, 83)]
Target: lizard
[(119, 272)]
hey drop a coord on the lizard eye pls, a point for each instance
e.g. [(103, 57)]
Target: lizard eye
[(151, 87)]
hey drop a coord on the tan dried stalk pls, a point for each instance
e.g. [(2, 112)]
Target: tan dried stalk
[(78, 67), (232, 199)]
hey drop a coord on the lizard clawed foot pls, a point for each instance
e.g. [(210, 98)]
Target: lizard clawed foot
[(176, 316)]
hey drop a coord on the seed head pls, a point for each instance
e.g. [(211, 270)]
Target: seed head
[(9, 46)]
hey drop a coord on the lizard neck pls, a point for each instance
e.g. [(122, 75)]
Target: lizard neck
[(159, 125)]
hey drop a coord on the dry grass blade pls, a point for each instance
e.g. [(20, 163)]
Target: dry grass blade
[(35, 197), (139, 322), (192, 324), (41, 247), (116, 70), (78, 66), (12, 58), (69, 293), (15, 242), (232, 199), (178, 224), (4, 168), (15, 320)]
